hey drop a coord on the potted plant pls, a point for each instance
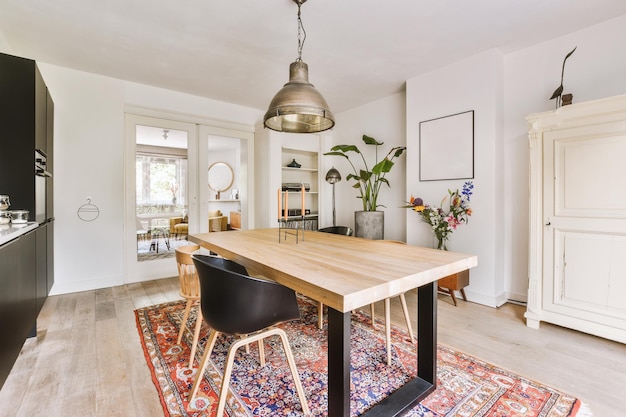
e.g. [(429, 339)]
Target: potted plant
[(369, 222)]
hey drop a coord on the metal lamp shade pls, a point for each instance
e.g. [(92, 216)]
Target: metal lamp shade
[(298, 107), (333, 176)]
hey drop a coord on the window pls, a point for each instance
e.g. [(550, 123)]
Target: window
[(160, 183)]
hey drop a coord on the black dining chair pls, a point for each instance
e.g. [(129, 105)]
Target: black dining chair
[(232, 302), (337, 230)]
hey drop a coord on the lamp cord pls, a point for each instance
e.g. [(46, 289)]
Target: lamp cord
[(301, 33)]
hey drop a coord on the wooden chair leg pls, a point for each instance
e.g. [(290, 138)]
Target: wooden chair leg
[(196, 336), (373, 315), (183, 325), (407, 317), (261, 352), (388, 329), (228, 367), (203, 363), (320, 316), (294, 371)]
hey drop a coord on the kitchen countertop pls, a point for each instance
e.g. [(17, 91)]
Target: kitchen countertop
[(11, 231)]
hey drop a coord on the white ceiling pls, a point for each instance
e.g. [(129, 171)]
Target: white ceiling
[(239, 51)]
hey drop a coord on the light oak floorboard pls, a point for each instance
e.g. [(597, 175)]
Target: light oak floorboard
[(87, 359)]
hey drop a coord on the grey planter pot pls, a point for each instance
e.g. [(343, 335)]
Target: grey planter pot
[(369, 224)]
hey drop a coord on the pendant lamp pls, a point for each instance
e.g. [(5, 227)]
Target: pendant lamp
[(298, 107)]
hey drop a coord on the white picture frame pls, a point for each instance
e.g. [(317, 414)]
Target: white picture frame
[(446, 147)]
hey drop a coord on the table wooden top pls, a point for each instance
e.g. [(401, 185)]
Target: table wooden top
[(343, 272)]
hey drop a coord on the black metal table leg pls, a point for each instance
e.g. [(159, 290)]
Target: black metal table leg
[(410, 394), (338, 363)]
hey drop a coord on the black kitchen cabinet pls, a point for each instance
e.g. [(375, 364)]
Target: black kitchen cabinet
[(50, 155), (27, 262), (18, 306), (50, 256), (41, 265), (24, 121)]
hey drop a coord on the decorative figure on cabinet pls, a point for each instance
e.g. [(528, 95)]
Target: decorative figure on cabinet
[(559, 91)]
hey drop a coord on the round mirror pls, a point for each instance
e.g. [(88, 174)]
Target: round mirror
[(220, 176)]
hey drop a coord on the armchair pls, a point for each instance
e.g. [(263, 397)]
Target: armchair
[(179, 226), (217, 221)]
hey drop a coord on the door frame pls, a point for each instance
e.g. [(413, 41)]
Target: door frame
[(136, 271), (198, 184)]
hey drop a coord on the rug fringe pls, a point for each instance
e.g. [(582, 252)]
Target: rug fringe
[(584, 411)]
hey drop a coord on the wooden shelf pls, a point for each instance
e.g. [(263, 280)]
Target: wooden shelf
[(313, 170)]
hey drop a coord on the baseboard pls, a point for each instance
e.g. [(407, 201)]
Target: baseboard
[(86, 285), (486, 300), (518, 297)]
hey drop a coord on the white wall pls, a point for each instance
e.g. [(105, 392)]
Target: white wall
[(89, 162), (503, 90), (597, 69), (383, 120), (472, 84)]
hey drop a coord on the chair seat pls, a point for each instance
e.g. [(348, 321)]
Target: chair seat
[(181, 228)]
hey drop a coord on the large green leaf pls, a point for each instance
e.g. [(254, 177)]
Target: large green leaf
[(345, 148), (337, 154), (399, 151), (371, 141), (365, 175), (383, 166)]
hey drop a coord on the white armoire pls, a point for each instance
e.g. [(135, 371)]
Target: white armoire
[(577, 253)]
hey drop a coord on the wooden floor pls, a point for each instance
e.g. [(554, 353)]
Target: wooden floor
[(87, 360)]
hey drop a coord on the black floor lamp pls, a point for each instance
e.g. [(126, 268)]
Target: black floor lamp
[(333, 176)]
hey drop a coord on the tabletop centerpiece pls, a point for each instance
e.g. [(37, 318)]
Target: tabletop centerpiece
[(453, 211)]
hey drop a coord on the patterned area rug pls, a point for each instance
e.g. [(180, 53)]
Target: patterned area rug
[(147, 248), (466, 386)]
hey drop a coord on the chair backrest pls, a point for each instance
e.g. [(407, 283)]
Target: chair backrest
[(337, 230), (189, 284), (235, 303)]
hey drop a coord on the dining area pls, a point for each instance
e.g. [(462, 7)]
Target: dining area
[(340, 272)]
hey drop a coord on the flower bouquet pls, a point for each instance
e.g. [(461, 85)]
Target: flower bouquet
[(452, 212)]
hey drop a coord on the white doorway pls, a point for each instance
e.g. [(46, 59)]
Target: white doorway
[(161, 194), (180, 160), (235, 150)]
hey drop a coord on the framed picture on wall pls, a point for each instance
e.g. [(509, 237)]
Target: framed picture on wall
[(447, 147)]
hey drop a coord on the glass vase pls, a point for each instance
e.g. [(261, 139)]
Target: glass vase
[(442, 243)]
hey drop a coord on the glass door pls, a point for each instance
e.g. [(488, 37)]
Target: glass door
[(225, 194), (161, 194)]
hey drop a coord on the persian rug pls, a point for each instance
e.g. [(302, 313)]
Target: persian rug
[(466, 386)]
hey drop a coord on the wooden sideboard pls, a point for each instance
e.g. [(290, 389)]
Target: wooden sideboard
[(235, 220), (454, 282)]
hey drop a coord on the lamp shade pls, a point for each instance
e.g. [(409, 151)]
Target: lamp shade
[(298, 107), (333, 176)]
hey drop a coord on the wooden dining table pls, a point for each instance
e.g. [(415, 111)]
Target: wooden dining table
[(346, 273)]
